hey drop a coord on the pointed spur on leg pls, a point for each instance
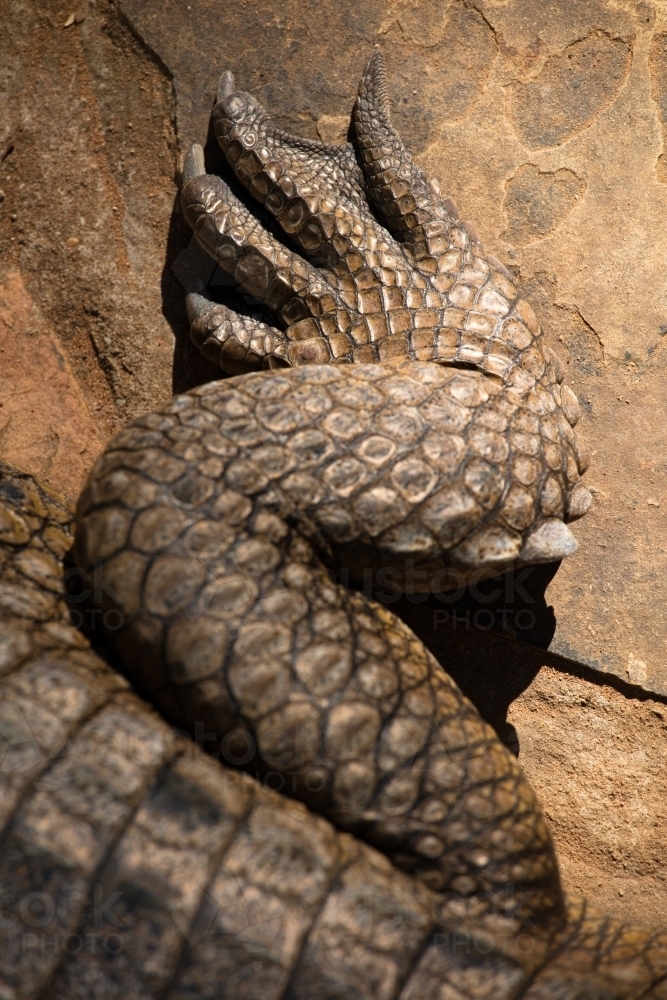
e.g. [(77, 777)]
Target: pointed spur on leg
[(408, 204)]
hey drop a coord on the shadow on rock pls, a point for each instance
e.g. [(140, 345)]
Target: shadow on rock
[(190, 369), (490, 637)]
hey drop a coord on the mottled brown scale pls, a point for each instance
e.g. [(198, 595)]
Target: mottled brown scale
[(132, 865)]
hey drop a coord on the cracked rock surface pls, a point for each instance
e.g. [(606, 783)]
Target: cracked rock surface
[(545, 123)]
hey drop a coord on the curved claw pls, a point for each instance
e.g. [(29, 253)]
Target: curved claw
[(193, 165), (226, 85), (550, 542), (195, 305)]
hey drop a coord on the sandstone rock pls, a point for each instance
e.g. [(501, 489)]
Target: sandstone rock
[(45, 425)]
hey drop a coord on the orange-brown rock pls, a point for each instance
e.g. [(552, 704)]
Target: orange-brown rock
[(45, 425)]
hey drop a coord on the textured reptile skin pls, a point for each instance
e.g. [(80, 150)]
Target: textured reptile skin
[(133, 866), (500, 463), (213, 542)]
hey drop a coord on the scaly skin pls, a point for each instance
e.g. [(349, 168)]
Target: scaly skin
[(420, 289), (419, 428), (134, 866)]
